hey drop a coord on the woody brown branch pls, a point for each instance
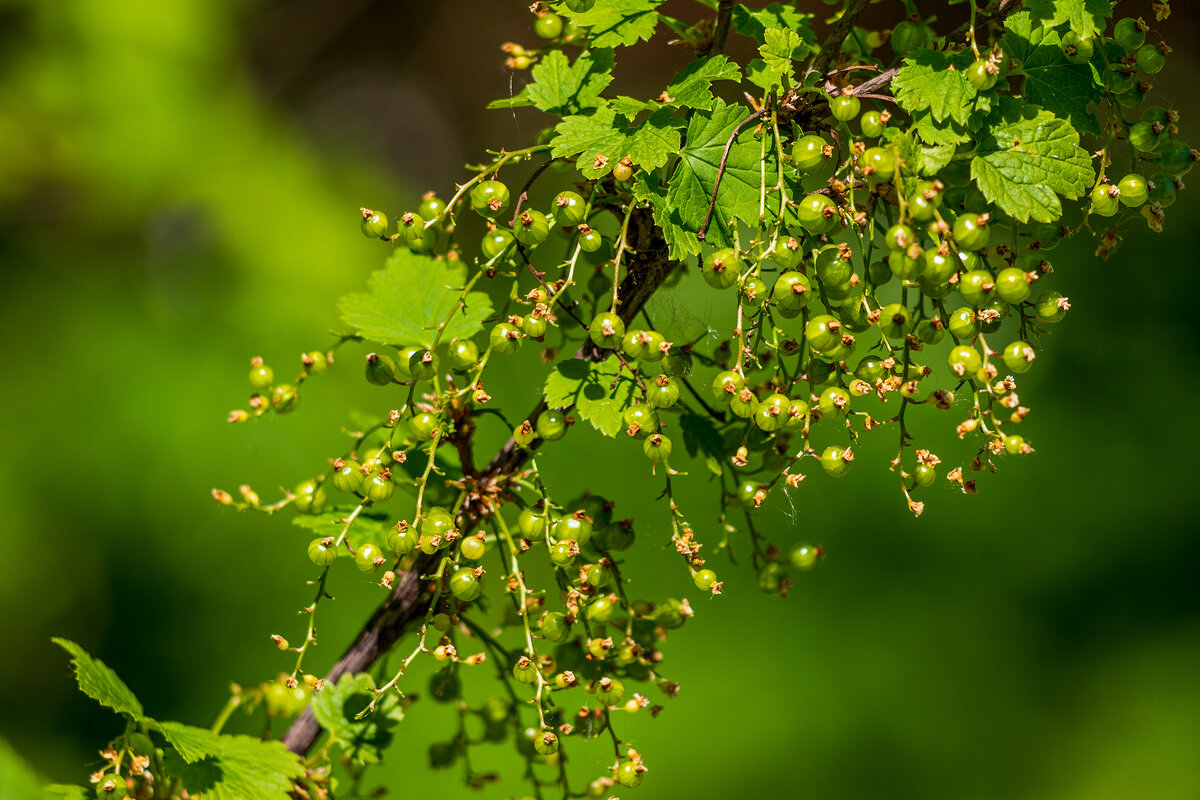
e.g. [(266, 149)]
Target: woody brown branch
[(647, 266)]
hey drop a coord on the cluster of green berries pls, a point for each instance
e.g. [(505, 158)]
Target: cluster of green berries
[(876, 293)]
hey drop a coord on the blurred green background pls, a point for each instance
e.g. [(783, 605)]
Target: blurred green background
[(179, 185)]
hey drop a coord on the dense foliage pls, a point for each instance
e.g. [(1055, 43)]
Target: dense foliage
[(874, 211)]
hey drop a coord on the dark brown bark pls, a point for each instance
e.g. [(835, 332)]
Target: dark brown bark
[(646, 269)]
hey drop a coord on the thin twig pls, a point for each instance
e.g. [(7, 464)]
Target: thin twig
[(833, 44), (762, 112), (720, 28)]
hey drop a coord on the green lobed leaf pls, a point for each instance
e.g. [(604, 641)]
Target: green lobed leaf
[(60, 791), (1051, 81), (221, 767), (921, 158), (362, 740), (588, 136), (780, 49), (1085, 16), (1027, 159), (585, 385), (692, 87), (100, 683), (649, 144), (18, 781), (368, 528), (755, 22), (934, 133), (629, 108), (936, 82), (691, 185), (680, 241), (192, 743), (561, 87), (613, 23), (410, 297), (652, 142), (554, 82), (519, 100)]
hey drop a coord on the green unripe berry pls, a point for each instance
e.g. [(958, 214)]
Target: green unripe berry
[(971, 231), (871, 124), (812, 154), (722, 268), (431, 206), (606, 330), (1012, 285), (374, 224), (590, 239), (563, 552), (610, 692), (786, 252), (473, 548), (832, 268), (309, 498), (844, 107), (1104, 200), (463, 355), (534, 326), (982, 74), (1014, 445), (657, 447), (908, 36), (803, 556), (834, 403), (551, 425), (261, 376), (506, 338), (976, 287), (285, 398), (878, 164), (964, 361), (379, 487), (1133, 190), (663, 393), (1177, 158), (554, 626), (791, 291), (423, 364), (369, 557), (704, 579), (1078, 48), (402, 542), (569, 209), (489, 198), (466, 583), (964, 324), (895, 320), (836, 460), (532, 228), (1018, 357), (548, 26), (817, 213), (1150, 59), (321, 554), (727, 385), (347, 477), (1163, 190), (381, 369), (495, 243), (1129, 34)]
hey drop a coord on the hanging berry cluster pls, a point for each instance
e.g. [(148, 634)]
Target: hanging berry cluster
[(875, 227)]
